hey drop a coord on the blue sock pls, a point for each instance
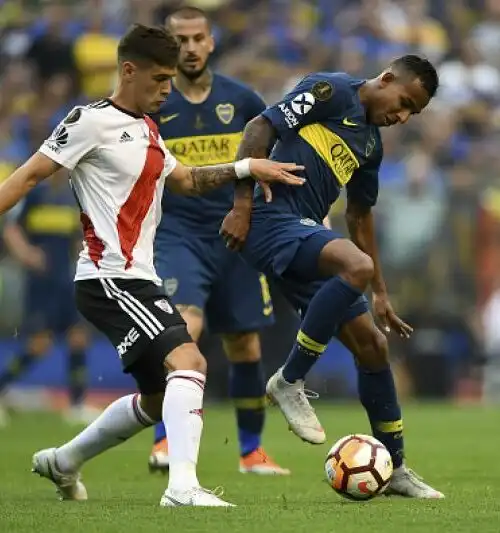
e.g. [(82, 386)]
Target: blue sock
[(16, 367), (160, 432), (319, 325), (77, 369), (247, 388), (377, 393)]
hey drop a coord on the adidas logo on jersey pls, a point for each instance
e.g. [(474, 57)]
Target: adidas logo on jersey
[(125, 138)]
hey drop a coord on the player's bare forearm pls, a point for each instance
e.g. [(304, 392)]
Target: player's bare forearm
[(16, 242), (16, 187), (25, 178), (361, 227), (258, 138), (206, 179), (200, 180)]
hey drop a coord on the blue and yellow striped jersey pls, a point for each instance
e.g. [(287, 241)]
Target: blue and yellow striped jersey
[(203, 134), (322, 125)]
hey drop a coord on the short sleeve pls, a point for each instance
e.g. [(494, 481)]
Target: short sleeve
[(255, 105), (313, 99), (362, 188), (73, 139), (169, 164)]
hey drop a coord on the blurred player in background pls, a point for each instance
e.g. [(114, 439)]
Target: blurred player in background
[(202, 123), (330, 124), (41, 233)]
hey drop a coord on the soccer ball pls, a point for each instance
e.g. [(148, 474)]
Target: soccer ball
[(358, 467)]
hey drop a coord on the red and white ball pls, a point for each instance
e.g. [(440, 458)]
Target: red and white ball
[(358, 467)]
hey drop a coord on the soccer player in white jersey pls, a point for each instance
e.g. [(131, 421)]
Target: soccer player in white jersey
[(118, 166)]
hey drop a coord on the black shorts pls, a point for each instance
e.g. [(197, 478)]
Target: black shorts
[(139, 320)]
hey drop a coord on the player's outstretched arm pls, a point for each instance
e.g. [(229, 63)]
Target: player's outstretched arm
[(258, 138), (200, 180), (361, 227), (21, 181)]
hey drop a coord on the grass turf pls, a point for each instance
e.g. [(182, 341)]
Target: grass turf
[(454, 448)]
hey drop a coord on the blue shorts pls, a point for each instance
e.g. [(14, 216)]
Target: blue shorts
[(202, 272), (49, 305), (286, 248)]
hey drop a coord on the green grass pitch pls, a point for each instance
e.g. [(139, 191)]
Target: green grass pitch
[(455, 448)]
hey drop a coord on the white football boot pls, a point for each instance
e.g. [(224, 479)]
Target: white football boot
[(195, 497), (69, 486), (292, 400), (404, 482)]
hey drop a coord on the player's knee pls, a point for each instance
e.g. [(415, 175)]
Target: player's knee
[(152, 405), (77, 338), (242, 347), (39, 344), (359, 269), (193, 316), (186, 357), (374, 354), (343, 258)]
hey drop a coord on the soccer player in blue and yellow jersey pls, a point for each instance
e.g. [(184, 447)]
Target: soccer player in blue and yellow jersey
[(330, 124), (41, 234), (202, 124)]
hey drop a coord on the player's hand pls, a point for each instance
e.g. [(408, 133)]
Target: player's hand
[(35, 259), (387, 318), (265, 171), (235, 228)]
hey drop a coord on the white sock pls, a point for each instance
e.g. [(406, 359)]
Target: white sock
[(121, 420), (182, 415)]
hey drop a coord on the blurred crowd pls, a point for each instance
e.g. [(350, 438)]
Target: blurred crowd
[(439, 208)]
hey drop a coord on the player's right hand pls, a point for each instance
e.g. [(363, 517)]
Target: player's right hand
[(266, 172), (235, 228), (35, 259)]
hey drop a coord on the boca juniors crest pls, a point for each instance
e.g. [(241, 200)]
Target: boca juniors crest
[(225, 113)]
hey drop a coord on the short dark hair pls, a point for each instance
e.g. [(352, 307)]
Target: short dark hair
[(188, 13), (149, 45), (422, 69)]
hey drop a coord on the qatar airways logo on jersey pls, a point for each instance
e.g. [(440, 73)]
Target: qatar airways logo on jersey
[(205, 149)]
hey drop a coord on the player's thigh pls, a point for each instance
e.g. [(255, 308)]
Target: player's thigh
[(184, 267), (242, 347), (360, 335), (143, 325), (323, 254), (275, 238), (67, 321), (40, 313), (187, 273), (194, 318), (342, 256), (40, 305), (240, 300)]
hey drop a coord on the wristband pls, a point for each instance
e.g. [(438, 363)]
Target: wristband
[(242, 168)]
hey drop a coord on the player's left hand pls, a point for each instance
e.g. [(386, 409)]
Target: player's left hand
[(266, 171), (387, 318)]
